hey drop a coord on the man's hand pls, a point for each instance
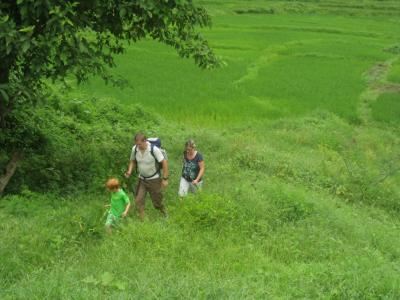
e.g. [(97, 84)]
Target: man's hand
[(164, 183), (131, 167), (195, 182)]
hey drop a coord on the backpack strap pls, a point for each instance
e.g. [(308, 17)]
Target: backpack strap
[(134, 152), (158, 165), (158, 169), (152, 151)]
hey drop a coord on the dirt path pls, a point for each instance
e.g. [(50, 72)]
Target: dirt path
[(377, 84)]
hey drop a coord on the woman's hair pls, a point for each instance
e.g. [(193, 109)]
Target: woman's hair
[(190, 144), (112, 183)]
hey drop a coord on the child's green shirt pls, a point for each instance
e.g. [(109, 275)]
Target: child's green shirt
[(119, 201)]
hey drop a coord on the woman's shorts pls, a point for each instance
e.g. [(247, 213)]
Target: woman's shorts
[(186, 186)]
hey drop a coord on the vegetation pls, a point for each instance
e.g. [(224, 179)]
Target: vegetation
[(281, 65), (87, 141), (394, 75), (300, 133), (52, 39), (387, 108)]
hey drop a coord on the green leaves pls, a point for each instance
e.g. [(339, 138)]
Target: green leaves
[(4, 95), (4, 19), (25, 46), (28, 29), (122, 12)]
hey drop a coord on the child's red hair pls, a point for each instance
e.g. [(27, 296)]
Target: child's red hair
[(112, 184)]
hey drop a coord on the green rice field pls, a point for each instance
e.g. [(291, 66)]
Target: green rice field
[(277, 65)]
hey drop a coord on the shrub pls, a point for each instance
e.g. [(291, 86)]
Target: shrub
[(86, 141)]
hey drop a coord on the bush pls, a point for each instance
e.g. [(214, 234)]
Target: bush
[(86, 141)]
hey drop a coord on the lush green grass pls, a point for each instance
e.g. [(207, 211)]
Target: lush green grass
[(300, 200), (281, 217), (387, 108), (394, 75), (319, 250)]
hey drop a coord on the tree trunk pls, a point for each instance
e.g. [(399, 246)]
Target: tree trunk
[(12, 165)]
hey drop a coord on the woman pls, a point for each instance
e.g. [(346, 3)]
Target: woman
[(192, 170)]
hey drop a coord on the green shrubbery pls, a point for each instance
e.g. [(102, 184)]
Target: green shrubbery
[(83, 141)]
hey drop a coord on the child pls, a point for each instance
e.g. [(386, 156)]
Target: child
[(119, 204)]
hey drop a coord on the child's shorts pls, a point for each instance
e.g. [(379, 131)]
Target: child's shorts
[(112, 220)]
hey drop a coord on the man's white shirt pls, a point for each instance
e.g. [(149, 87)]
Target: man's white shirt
[(145, 161)]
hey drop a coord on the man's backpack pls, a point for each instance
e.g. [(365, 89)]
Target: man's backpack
[(155, 142)]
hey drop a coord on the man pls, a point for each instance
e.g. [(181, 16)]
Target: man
[(146, 159)]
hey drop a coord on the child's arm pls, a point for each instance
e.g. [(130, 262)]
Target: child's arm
[(125, 213)]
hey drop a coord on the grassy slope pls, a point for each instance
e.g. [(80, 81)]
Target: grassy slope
[(296, 213), (274, 226)]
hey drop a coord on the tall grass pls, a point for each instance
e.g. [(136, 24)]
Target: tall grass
[(280, 217)]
